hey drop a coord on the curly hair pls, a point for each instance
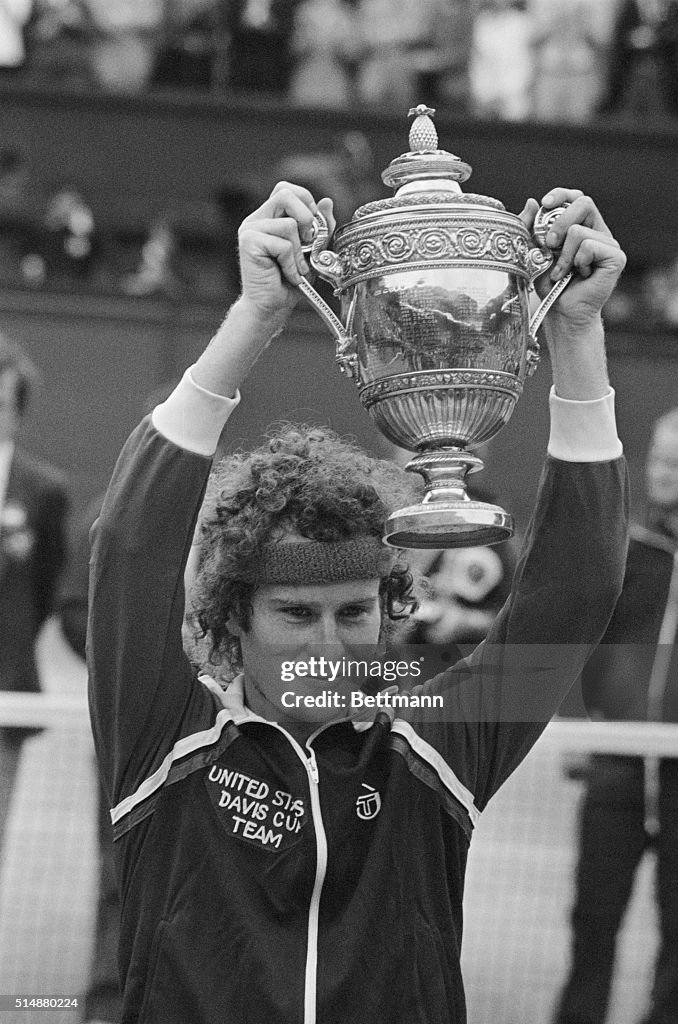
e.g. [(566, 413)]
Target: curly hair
[(303, 479)]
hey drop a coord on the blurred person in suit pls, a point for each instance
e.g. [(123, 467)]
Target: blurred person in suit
[(643, 60), (630, 805), (260, 57), (33, 511)]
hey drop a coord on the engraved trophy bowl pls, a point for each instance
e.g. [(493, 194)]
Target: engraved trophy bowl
[(434, 328)]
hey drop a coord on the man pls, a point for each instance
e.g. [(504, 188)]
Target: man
[(631, 803), (642, 75), (33, 508), (280, 859)]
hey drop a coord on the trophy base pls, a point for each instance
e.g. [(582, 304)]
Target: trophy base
[(448, 524)]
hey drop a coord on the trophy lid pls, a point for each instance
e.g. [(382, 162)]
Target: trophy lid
[(425, 175), (424, 162)]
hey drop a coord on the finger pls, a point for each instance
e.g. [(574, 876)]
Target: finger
[(576, 236), (252, 236), (326, 208), (276, 245), (287, 200), (597, 252), (299, 190), (559, 196), (581, 211), (283, 252), (529, 212), (296, 201)]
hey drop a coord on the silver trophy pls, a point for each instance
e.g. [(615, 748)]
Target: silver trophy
[(434, 328)]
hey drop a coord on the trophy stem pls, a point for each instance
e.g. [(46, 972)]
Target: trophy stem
[(447, 517)]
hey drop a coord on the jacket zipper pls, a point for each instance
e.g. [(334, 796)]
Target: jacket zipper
[(311, 978), (311, 972)]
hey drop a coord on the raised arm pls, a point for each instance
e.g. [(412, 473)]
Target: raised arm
[(571, 568), (147, 708), (272, 265)]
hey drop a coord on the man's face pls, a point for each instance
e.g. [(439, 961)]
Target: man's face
[(662, 470), (9, 414), (294, 624)]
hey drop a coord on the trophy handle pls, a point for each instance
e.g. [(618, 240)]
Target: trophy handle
[(540, 258), (327, 265)]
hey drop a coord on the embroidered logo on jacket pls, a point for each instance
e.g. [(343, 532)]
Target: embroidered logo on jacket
[(253, 811), (368, 804)]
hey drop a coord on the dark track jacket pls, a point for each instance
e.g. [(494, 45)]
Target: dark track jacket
[(262, 880)]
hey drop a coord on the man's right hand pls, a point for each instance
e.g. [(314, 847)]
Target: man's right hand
[(272, 263)]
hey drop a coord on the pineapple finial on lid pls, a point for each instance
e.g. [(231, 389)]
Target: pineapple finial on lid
[(425, 162), (423, 136)]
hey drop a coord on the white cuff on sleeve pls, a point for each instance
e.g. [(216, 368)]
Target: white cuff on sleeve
[(193, 418), (583, 431)]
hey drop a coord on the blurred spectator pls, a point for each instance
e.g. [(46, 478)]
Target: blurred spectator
[(190, 248), (60, 37), (58, 43), (380, 52), (125, 41), (326, 47), (570, 42), (660, 292), (643, 76), (413, 45), (443, 63), (156, 269), (33, 509), (190, 46), (467, 587), (47, 234), (106, 43), (20, 202), (388, 31), (260, 49), (14, 14), (501, 69), (631, 803), (68, 235)]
